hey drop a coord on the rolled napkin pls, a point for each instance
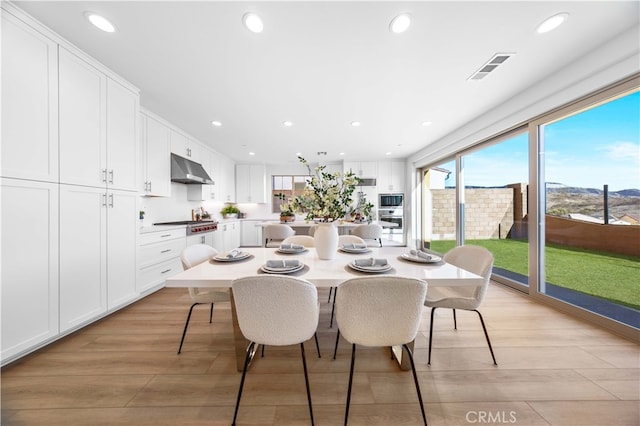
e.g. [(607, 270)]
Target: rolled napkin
[(233, 253), (355, 246), (421, 254), (283, 263), (292, 246), (369, 262)]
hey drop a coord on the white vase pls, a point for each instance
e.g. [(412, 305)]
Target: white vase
[(326, 240)]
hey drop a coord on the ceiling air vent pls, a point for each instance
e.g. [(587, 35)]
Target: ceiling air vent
[(493, 63)]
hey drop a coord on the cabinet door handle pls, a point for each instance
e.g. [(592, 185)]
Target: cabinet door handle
[(111, 200), (104, 175), (111, 176), (149, 186), (165, 271), (165, 251), (165, 235), (104, 200)]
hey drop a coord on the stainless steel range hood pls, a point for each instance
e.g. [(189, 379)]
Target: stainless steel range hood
[(189, 172)]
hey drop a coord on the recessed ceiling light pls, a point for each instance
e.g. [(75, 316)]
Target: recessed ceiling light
[(216, 123), (426, 123), (287, 123), (298, 154), (252, 153), (355, 123), (400, 23), (253, 22), (387, 153), (100, 22), (342, 153), (552, 23)]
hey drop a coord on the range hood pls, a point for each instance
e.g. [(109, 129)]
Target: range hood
[(189, 172), (367, 182)]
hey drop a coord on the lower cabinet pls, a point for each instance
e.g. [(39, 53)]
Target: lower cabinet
[(159, 257), (251, 233), (227, 237), (29, 265), (204, 238), (97, 252)]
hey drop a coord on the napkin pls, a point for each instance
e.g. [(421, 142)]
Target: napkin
[(233, 253), (355, 246), (291, 246), (420, 254), (283, 263), (369, 262)]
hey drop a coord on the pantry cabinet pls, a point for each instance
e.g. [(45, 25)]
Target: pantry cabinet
[(97, 127), (250, 183), (29, 103), (156, 157), (29, 302)]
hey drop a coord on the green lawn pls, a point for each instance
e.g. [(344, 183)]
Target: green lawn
[(610, 276)]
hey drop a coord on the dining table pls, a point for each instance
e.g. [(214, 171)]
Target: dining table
[(220, 272)]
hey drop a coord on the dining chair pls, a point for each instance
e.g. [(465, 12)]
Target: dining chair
[(474, 259), (370, 231), (304, 240), (275, 233), (380, 311), (190, 257), (342, 240), (275, 310)]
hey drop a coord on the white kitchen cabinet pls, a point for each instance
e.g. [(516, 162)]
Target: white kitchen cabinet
[(159, 258), (97, 127), (227, 179), (29, 264), (183, 146), (29, 103), (98, 231), (390, 176), (156, 155), (227, 237), (205, 192), (203, 238), (362, 169), (251, 233), (250, 183)]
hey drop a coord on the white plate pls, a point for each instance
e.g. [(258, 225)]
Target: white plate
[(270, 270), (418, 259), (355, 250), (291, 251), (370, 269), (222, 257)]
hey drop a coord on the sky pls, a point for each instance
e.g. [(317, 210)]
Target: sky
[(595, 147)]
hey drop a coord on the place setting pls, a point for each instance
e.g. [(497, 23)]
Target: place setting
[(291, 249), (419, 256), (354, 248), (370, 265), (283, 266), (234, 255)]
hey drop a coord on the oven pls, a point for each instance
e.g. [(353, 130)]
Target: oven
[(394, 216), (390, 201)]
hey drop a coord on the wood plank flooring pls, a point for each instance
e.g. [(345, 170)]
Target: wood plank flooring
[(553, 370)]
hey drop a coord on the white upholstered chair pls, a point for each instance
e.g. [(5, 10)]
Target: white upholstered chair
[(380, 311), (474, 259), (190, 257), (275, 310), (304, 240), (275, 233), (371, 231)]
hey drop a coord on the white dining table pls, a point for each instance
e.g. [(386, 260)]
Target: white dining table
[(322, 273)]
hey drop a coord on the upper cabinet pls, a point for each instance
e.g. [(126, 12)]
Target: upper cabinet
[(97, 127), (185, 147), (363, 169), (156, 157), (29, 103), (391, 175), (227, 180), (250, 183)]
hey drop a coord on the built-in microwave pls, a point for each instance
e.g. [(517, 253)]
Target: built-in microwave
[(390, 201)]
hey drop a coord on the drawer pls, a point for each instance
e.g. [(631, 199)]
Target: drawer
[(159, 252), (154, 275), (156, 237)]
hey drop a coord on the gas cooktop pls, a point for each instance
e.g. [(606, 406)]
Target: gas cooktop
[(187, 222)]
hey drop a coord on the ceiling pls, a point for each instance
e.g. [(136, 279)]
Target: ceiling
[(323, 65)]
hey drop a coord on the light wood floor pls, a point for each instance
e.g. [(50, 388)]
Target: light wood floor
[(553, 370)]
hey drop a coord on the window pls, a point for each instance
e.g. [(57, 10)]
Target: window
[(285, 187), (439, 207)]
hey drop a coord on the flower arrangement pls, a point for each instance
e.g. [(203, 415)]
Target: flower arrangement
[(328, 196)]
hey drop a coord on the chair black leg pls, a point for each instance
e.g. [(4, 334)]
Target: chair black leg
[(335, 349), (306, 379), (415, 379), (247, 361), (455, 320), (185, 327), (330, 291), (431, 334), (487, 336), (380, 240), (315, 336), (353, 361), (211, 314), (262, 352), (333, 307)]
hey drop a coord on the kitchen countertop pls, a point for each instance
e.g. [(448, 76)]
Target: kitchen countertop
[(159, 228)]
